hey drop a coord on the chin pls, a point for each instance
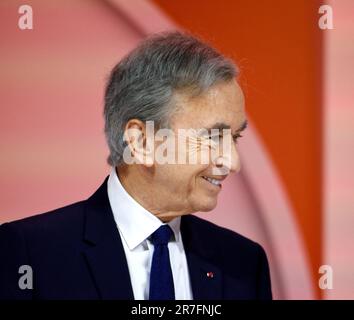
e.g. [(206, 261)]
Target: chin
[(207, 205)]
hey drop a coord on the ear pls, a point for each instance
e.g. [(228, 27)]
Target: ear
[(135, 135)]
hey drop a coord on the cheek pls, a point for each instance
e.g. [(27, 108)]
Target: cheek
[(180, 179), (176, 178), (196, 178), (186, 178)]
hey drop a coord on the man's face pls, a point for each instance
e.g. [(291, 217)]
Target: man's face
[(185, 187)]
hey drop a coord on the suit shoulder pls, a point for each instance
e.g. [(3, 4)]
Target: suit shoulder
[(50, 222), (236, 255), (214, 233)]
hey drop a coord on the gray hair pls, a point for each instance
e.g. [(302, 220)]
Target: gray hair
[(142, 85)]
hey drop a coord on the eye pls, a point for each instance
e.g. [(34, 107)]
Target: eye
[(236, 137)]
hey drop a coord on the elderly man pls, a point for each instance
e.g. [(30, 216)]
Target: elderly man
[(135, 237)]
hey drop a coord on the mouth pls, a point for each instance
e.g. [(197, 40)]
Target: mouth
[(214, 182)]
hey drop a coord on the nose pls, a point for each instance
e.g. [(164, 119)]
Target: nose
[(229, 160), (235, 159)]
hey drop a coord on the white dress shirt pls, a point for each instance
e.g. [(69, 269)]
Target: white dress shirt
[(135, 224)]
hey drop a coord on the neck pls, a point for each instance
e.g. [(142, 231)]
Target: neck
[(138, 181)]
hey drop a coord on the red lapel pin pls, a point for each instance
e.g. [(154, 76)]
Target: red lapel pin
[(210, 275)]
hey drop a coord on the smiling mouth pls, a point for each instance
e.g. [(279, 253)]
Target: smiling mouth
[(214, 182)]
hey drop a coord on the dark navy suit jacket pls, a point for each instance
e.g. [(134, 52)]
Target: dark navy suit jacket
[(75, 252)]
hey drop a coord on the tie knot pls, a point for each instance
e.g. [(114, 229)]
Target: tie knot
[(162, 235)]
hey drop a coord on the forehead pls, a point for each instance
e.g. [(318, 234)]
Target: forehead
[(223, 103)]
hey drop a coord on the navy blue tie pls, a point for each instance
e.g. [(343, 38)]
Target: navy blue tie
[(161, 279)]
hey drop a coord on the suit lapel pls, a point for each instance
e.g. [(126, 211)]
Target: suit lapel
[(205, 276), (104, 249)]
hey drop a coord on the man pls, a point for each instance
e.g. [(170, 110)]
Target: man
[(134, 238)]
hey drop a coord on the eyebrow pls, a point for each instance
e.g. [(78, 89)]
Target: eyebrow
[(222, 125)]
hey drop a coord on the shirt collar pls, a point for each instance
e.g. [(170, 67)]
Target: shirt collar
[(135, 223)]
